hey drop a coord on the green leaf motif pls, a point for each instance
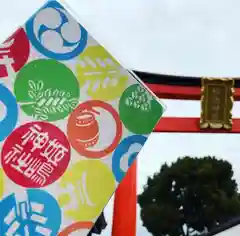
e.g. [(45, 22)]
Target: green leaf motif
[(49, 101), (139, 99)]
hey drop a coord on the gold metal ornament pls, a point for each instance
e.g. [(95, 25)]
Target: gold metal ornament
[(217, 103)]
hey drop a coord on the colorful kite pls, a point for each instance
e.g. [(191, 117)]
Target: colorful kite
[(72, 121)]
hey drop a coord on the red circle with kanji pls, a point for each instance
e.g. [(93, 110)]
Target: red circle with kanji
[(14, 53), (83, 130), (35, 155)]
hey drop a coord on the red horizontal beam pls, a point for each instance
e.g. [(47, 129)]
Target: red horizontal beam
[(181, 92), (190, 125)]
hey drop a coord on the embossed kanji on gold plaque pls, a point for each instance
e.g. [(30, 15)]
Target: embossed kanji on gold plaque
[(217, 103)]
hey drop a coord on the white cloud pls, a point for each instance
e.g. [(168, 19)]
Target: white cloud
[(198, 37)]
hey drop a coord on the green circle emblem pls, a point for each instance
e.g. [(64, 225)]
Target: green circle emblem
[(139, 110), (47, 90)]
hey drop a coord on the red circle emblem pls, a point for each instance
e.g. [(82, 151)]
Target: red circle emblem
[(14, 53), (84, 133), (35, 155)]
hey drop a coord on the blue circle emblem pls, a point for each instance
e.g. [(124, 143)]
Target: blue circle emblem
[(128, 148), (39, 214), (51, 24), (8, 123)]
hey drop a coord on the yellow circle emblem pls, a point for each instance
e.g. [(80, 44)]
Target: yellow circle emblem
[(89, 184), (1, 183), (100, 75)]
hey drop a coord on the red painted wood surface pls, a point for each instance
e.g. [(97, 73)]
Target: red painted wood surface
[(190, 125), (181, 92), (125, 205)]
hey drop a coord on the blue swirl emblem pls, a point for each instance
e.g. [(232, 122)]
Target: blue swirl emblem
[(9, 121), (125, 153), (37, 215), (55, 33)]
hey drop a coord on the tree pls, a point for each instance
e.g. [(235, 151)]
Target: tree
[(191, 196)]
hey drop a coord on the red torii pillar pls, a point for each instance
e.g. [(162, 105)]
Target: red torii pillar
[(124, 217), (125, 207)]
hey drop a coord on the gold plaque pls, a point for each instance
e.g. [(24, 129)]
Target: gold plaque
[(216, 103)]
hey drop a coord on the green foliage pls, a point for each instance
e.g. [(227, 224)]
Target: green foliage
[(189, 196)]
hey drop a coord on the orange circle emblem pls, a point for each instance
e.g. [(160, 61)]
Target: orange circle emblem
[(83, 129)]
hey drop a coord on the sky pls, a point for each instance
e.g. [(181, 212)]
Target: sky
[(182, 37)]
